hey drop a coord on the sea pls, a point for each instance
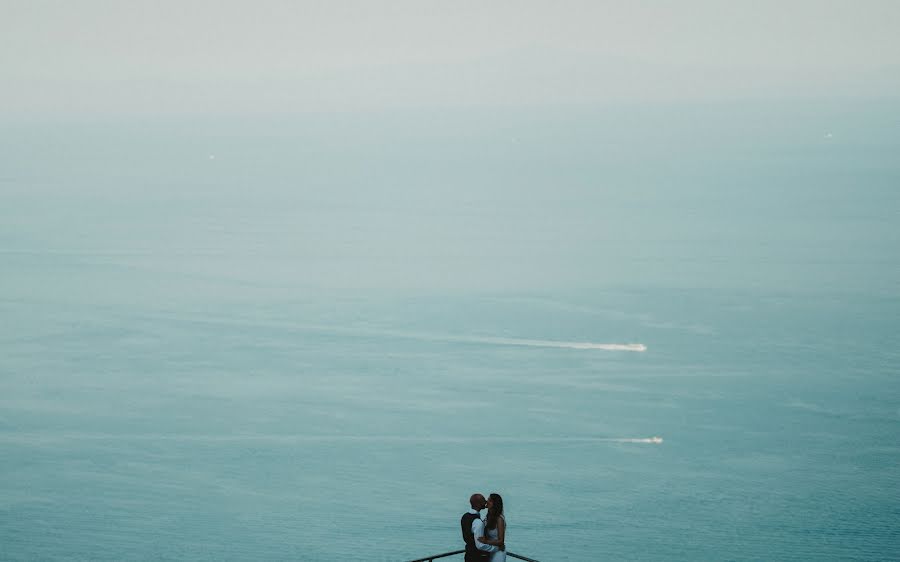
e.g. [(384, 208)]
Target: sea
[(658, 332)]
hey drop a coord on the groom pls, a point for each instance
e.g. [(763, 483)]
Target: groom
[(472, 528)]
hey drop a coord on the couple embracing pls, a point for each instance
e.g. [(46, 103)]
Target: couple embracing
[(484, 539)]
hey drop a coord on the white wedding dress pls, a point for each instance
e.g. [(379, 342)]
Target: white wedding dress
[(497, 555)]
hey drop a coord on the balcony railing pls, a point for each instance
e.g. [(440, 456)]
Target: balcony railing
[(455, 552)]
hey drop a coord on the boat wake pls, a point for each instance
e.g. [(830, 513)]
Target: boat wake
[(650, 440), (562, 344)]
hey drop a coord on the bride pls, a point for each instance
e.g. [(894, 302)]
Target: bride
[(495, 527)]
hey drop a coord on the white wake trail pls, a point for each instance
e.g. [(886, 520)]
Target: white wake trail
[(639, 347), (424, 336), (490, 340), (649, 440)]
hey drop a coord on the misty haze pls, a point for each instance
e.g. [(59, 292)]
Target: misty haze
[(294, 280)]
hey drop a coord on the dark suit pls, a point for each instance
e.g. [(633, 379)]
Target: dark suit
[(472, 552)]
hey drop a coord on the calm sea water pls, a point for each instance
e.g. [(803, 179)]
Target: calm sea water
[(267, 361)]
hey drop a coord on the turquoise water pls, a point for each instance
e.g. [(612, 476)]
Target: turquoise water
[(310, 352)]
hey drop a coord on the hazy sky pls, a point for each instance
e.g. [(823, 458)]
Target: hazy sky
[(191, 56)]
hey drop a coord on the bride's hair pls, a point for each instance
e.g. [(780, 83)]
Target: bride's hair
[(494, 512)]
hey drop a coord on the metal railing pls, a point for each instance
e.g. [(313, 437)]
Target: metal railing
[(454, 552)]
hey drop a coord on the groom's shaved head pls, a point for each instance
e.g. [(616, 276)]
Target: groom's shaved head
[(477, 501)]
